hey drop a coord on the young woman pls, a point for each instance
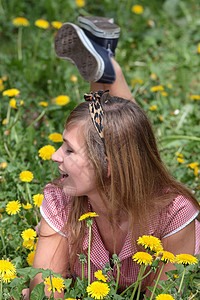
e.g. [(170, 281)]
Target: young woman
[(110, 165)]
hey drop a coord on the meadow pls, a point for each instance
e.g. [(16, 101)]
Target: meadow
[(159, 51)]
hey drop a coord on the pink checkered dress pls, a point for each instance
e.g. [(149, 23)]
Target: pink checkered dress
[(168, 221)]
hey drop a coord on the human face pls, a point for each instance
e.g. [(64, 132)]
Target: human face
[(78, 173)]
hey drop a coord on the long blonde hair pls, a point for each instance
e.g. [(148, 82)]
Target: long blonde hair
[(138, 183)]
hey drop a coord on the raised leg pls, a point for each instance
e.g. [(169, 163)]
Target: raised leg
[(118, 88)]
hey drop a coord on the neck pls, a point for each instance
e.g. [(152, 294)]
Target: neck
[(98, 206), (97, 203)]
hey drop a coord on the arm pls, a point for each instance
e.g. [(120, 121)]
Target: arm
[(51, 253)]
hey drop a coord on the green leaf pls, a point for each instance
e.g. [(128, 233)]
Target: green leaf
[(38, 292)]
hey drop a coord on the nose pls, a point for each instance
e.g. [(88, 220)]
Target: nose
[(57, 156)]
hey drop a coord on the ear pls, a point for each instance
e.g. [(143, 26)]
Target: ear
[(108, 166)]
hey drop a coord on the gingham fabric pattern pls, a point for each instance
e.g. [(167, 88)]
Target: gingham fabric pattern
[(168, 221)]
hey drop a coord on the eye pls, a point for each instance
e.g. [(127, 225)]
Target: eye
[(68, 151)]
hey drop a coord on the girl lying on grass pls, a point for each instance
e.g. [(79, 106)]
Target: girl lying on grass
[(109, 164)]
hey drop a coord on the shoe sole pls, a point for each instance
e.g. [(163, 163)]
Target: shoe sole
[(100, 27), (72, 44)]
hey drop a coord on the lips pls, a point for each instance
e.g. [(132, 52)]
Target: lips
[(64, 175)]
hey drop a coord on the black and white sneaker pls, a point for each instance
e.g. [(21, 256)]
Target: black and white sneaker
[(92, 60), (72, 44)]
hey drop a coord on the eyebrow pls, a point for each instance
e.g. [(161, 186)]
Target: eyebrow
[(68, 143)]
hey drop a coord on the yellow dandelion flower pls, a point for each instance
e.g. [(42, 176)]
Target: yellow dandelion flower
[(71, 299), (3, 165), (56, 24), (57, 283), (28, 234), (180, 160), (6, 267), (5, 77), (80, 3), (186, 259), (28, 244), (193, 165), (142, 258), (198, 48), (46, 152), (5, 121), (153, 76), (20, 21), (37, 199), (1, 85), (11, 92), (98, 290), (196, 171), (179, 154), (12, 103), (30, 258), (27, 206), (26, 176), (43, 103), (164, 94), (88, 215), (157, 88), (8, 277), (42, 23), (164, 297), (137, 9), (161, 118), (135, 81), (169, 86), (13, 207), (176, 276), (195, 97), (153, 107), (150, 242), (98, 274), (74, 78), (56, 137), (167, 256), (62, 100)]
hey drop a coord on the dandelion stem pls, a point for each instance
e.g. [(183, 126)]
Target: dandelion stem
[(8, 114), (128, 288), (2, 239), (82, 270), (51, 285), (51, 169), (89, 248), (36, 47), (156, 283), (36, 216), (139, 289), (8, 152), (116, 288), (19, 43), (38, 118), (182, 280), (141, 272), (28, 193), (15, 120)]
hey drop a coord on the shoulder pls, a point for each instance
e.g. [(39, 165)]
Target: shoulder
[(177, 215)]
